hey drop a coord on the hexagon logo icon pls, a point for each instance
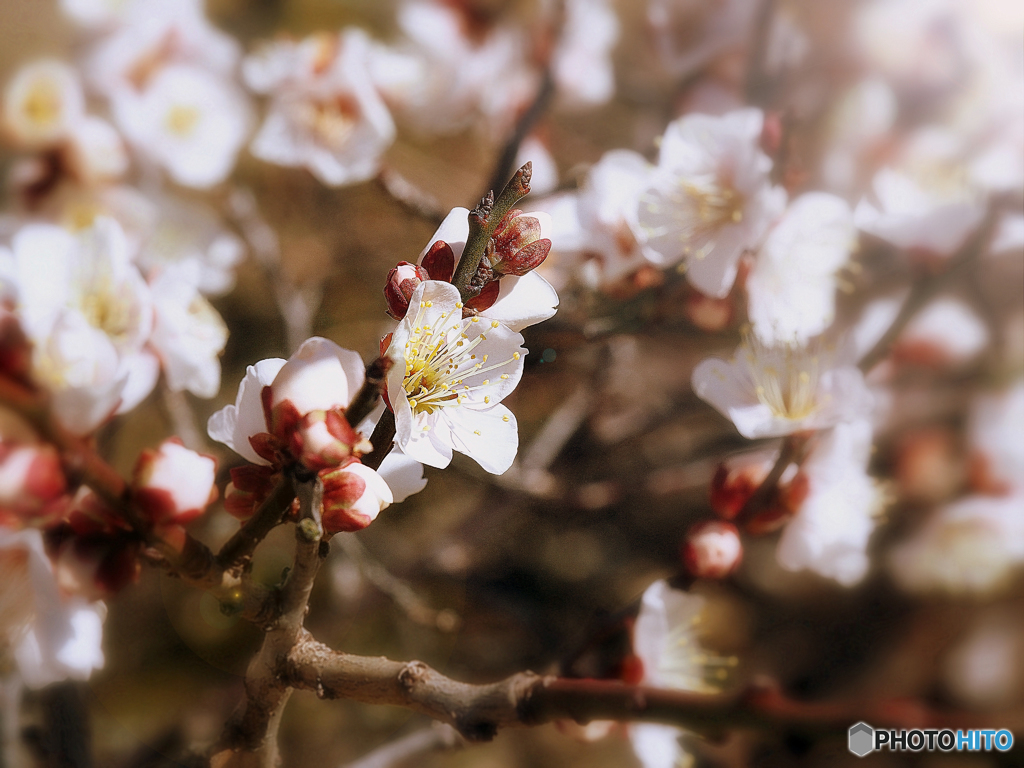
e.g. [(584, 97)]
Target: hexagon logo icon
[(861, 739)]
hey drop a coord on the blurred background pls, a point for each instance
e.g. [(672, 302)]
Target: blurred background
[(482, 576)]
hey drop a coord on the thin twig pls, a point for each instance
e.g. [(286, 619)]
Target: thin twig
[(237, 551), (383, 440), (366, 398), (792, 450), (183, 420), (926, 289), (409, 196), (397, 589), (437, 738), (510, 151)]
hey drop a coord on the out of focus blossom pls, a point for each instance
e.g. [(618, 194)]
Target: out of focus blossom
[(830, 532), (448, 379), (451, 65), (710, 198), (32, 481), (188, 335), (689, 34), (986, 668), (767, 391), (325, 113), (666, 641), (172, 486), (947, 332), (712, 549), (545, 170), (582, 66), (42, 104), (973, 545), (50, 636), (187, 121), (515, 302), (859, 132), (792, 285), (995, 429), (89, 313), (95, 151)]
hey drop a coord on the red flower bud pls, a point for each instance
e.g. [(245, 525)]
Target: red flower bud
[(402, 281), (439, 262), (517, 244), (712, 549)]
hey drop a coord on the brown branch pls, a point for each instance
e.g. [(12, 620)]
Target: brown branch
[(757, 81), (792, 450), (383, 440), (250, 736), (483, 220), (409, 196), (478, 711), (507, 159), (926, 289), (237, 551), (366, 398)]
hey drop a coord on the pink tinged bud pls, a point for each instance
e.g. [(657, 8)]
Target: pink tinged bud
[(712, 550), (31, 480), (486, 298), (173, 485), (325, 439), (439, 262), (735, 482), (353, 497), (313, 379), (518, 246), (402, 281)]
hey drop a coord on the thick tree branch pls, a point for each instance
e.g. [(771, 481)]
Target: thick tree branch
[(478, 711)]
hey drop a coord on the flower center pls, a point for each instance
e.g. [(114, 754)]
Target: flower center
[(785, 378), (332, 121), (43, 103), (439, 357), (106, 309), (688, 666), (181, 120), (694, 212)]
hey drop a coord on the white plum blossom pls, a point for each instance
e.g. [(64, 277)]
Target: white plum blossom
[(188, 121), (188, 237), (946, 332), (188, 335), (448, 380), (521, 301), (95, 151), (994, 430), (665, 640), (42, 104), (858, 130), (233, 425), (973, 545), (792, 284), (769, 391), (582, 66), (325, 113), (830, 532), (90, 314), (50, 636), (447, 70), (710, 198), (148, 35)]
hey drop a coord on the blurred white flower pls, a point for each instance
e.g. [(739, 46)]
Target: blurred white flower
[(448, 380), (858, 130), (188, 334), (792, 285), (665, 639), (520, 301), (187, 120), (452, 87), (974, 545), (42, 104), (830, 532), (90, 314), (582, 65), (710, 198), (190, 238), (149, 35), (95, 151), (994, 430), (689, 33), (946, 332), (325, 113), (51, 637), (768, 391)]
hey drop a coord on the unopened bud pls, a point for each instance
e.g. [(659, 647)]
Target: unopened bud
[(518, 243), (173, 485), (402, 281), (439, 262), (712, 549), (353, 497)]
